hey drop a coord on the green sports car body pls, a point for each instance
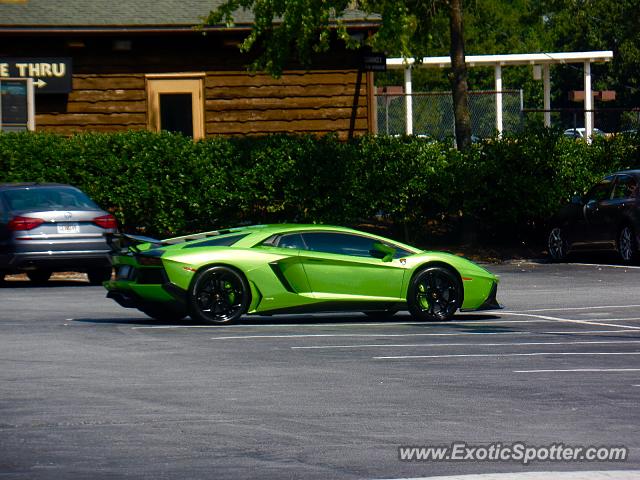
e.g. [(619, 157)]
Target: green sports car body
[(216, 277)]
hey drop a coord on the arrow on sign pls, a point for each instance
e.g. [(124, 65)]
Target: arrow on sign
[(40, 83)]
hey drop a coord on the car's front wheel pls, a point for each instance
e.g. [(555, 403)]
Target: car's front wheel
[(39, 277), (219, 295), (627, 245), (557, 245), (434, 295)]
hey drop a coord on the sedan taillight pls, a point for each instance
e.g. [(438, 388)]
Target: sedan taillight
[(24, 223), (106, 221)]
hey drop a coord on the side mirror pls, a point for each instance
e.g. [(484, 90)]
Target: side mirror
[(382, 251)]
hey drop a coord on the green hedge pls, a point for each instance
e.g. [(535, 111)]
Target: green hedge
[(163, 184)]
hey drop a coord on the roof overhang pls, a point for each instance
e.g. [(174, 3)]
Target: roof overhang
[(510, 59)]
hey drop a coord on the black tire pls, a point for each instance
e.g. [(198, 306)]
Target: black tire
[(557, 245), (218, 295), (163, 313), (380, 314), (98, 275), (627, 245), (435, 293), (39, 277)]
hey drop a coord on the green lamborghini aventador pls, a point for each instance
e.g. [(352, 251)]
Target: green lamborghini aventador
[(216, 277)]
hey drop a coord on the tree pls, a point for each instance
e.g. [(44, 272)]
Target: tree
[(299, 28)]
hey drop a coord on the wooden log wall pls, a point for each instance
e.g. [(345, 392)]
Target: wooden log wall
[(236, 103)]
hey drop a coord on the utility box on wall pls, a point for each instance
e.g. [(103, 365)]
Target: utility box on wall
[(17, 109)]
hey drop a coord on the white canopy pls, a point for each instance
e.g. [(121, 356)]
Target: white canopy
[(498, 61)]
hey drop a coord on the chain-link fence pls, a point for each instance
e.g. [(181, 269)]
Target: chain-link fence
[(605, 119), (433, 113)]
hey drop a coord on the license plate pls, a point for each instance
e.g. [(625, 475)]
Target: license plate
[(68, 228)]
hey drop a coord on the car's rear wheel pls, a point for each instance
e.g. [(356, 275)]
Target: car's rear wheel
[(219, 295), (98, 275), (434, 295), (380, 314), (627, 245), (557, 245), (39, 277)]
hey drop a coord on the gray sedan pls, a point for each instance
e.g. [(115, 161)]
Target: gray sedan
[(47, 227)]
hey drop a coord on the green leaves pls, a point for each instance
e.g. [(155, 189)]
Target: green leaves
[(164, 184)]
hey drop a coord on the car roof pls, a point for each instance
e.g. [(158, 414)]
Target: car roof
[(258, 233)]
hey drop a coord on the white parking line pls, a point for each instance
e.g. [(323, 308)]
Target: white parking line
[(605, 265), (341, 324), (378, 335), (514, 344), (581, 370), (567, 320), (567, 309), (531, 354), (385, 335)]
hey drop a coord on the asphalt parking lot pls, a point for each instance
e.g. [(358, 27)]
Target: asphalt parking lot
[(91, 390)]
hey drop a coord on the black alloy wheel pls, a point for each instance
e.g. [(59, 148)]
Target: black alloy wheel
[(557, 245), (627, 245), (434, 295), (218, 295), (39, 277)]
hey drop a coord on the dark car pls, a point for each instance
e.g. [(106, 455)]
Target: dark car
[(606, 218), (46, 227)]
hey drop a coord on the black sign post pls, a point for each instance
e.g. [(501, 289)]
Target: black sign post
[(50, 74), (374, 62)]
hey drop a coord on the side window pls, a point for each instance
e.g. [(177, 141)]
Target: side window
[(340, 243), (292, 241), (625, 187), (601, 191)]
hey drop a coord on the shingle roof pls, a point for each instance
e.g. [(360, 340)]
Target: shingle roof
[(134, 13)]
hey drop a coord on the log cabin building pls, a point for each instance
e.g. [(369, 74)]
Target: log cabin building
[(114, 65)]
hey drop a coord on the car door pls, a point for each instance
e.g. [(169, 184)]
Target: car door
[(596, 211), (342, 266), (289, 270), (612, 211)]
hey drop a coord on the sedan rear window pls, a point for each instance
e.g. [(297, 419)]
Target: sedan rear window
[(47, 199)]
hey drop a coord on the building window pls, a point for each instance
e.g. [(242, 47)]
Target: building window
[(175, 103)]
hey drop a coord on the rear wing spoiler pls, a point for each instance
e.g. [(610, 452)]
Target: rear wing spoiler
[(125, 242)]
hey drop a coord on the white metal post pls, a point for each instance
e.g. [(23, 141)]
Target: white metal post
[(588, 102), (408, 101), (498, 75), (546, 84), (31, 105)]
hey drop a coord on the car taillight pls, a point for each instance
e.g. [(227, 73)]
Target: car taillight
[(149, 261), (106, 221), (24, 223)]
